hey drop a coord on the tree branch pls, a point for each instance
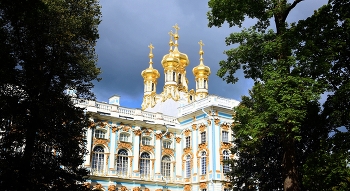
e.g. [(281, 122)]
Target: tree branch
[(290, 8)]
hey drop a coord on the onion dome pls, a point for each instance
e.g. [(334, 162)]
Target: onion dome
[(201, 71), (150, 74), (184, 62)]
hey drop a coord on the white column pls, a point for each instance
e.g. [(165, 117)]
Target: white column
[(178, 165), (88, 145), (136, 151), (158, 153), (112, 154), (195, 148)]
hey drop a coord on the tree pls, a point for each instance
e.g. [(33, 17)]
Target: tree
[(291, 69), (46, 48)]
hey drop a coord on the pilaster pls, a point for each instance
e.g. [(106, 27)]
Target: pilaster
[(136, 152), (112, 151), (88, 145)]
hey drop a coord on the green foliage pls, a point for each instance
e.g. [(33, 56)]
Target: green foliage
[(282, 133), (46, 48)]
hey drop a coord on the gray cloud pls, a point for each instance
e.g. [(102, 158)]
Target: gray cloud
[(128, 27)]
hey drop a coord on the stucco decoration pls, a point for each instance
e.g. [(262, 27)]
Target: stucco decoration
[(112, 188), (136, 189), (96, 141), (224, 146), (87, 184), (187, 187), (126, 128), (202, 177), (203, 185), (169, 135), (225, 126), (98, 186), (102, 124), (147, 189), (202, 127), (209, 122), (167, 151), (178, 139), (131, 158), (187, 151), (123, 188), (194, 127), (187, 132), (124, 145), (137, 132), (114, 129), (187, 180), (159, 135), (217, 121), (147, 148), (92, 124)]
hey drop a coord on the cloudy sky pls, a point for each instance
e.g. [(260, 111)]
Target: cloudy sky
[(129, 26)]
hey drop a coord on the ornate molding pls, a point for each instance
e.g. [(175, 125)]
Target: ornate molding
[(98, 186), (147, 189), (225, 126), (168, 151), (203, 185), (217, 121), (169, 135), (202, 127), (92, 124), (123, 188), (102, 124), (126, 127), (131, 158), (187, 187), (112, 188), (178, 139), (159, 136), (100, 141), (136, 189), (137, 132), (147, 148), (224, 146), (114, 129), (209, 122), (203, 177), (124, 145), (194, 127), (187, 132)]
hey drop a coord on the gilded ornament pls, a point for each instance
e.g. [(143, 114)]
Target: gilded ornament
[(153, 163), (124, 145), (167, 151), (169, 135), (203, 185), (187, 180), (114, 129), (225, 126), (194, 127), (137, 132), (147, 148), (100, 141), (202, 177), (136, 189), (202, 127), (217, 121), (98, 186), (123, 188), (159, 136), (194, 118), (187, 132), (131, 158), (146, 189), (209, 122), (92, 124), (87, 184), (178, 139), (112, 188), (126, 128), (187, 187)]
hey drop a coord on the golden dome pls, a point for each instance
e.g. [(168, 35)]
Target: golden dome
[(201, 71), (150, 74), (169, 62)]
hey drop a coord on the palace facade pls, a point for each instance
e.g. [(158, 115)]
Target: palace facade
[(176, 141)]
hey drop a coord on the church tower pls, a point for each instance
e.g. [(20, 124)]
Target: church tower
[(201, 74), (150, 76)]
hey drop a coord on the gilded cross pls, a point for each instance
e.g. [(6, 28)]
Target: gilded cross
[(176, 27), (151, 47), (201, 44), (171, 34)]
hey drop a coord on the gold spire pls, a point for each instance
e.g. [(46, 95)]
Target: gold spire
[(150, 73), (150, 55), (171, 43), (176, 35), (201, 71)]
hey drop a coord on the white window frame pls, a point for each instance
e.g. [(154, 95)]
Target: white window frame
[(188, 166), (167, 144), (100, 134), (123, 137), (203, 163), (225, 136), (98, 159), (145, 165), (188, 141), (165, 166), (226, 156), (203, 137), (122, 162), (146, 140)]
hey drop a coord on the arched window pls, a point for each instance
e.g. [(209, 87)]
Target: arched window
[(205, 84), (204, 163), (226, 167), (152, 86), (99, 134), (174, 76), (98, 159), (145, 165), (179, 80), (165, 167), (122, 162), (188, 166)]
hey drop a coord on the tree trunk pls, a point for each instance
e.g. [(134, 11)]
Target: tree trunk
[(291, 181)]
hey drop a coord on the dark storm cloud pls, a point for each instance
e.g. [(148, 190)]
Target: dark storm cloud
[(129, 26)]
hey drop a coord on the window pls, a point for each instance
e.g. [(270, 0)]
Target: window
[(146, 141), (226, 189), (205, 82), (165, 167), (98, 159), (203, 137), (124, 137), (145, 165), (225, 136), (179, 80), (188, 166), (226, 167), (167, 144), (204, 163), (99, 134), (122, 162), (174, 76), (190, 97), (188, 141)]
